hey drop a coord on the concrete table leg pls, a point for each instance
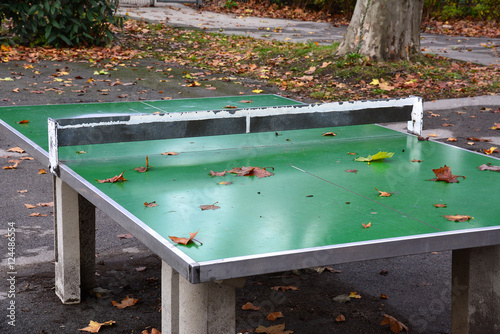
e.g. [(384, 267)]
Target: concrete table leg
[(476, 290), (74, 219), (204, 308)]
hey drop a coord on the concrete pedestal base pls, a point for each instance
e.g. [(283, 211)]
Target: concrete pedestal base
[(476, 290), (74, 220)]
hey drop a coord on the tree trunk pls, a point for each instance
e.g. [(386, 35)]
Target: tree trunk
[(384, 29)]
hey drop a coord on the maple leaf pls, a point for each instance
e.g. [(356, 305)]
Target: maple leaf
[(116, 178), (444, 174), (489, 167), (275, 315), (383, 193), (379, 156), (251, 171), (95, 326), (143, 169), (212, 173), (458, 218), (250, 306), (367, 225), (278, 329), (126, 302), (185, 241), (396, 325)]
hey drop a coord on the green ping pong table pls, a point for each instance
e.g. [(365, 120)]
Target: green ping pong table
[(318, 206)]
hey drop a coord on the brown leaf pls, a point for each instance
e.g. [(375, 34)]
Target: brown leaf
[(150, 204), (440, 205), (416, 160), (458, 218), (489, 167), (153, 331), (95, 326), (184, 241), (230, 107), (143, 169), (48, 204), (116, 178), (383, 193), (444, 174), (329, 134), (30, 206), (351, 170), (42, 171), (340, 318), (209, 207), (278, 329), (38, 214), (16, 149), (284, 288), (420, 138), (250, 306), (479, 139), (367, 225), (246, 101), (125, 236), (251, 171), (126, 302), (24, 121), (491, 150), (452, 139), (212, 173), (170, 153), (446, 124), (396, 326), (275, 315)]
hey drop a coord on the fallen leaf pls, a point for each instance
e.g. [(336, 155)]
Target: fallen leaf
[(22, 191), (81, 152), (24, 121), (375, 82), (329, 134), (340, 318), (458, 218), (116, 178), (26, 158), (95, 326), (48, 204), (386, 86), (210, 207), (379, 156), (420, 138), (153, 331), (275, 315), (440, 205), (284, 288), (382, 296), (126, 302), (185, 241), (479, 139), (396, 326), (246, 101), (143, 169), (416, 160), (489, 167), (140, 269), (251, 171), (170, 153), (351, 153), (230, 107), (212, 173), (278, 329), (150, 204), (225, 183), (432, 135), (42, 171), (491, 150), (16, 149), (354, 295), (351, 170), (452, 139), (38, 214), (257, 91), (30, 206), (383, 193), (446, 124), (367, 225), (444, 174), (250, 306), (125, 236)]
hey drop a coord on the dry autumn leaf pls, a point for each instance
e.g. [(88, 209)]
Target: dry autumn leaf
[(24, 121), (396, 325), (153, 331), (150, 204), (383, 193), (16, 149), (275, 315), (126, 302), (209, 207), (250, 306), (170, 153), (354, 295), (42, 171), (444, 174), (212, 173), (38, 214), (251, 171), (416, 160), (489, 167), (278, 329), (458, 218), (329, 134), (284, 288), (95, 326), (225, 183), (143, 169), (351, 170), (125, 236), (340, 318), (185, 241), (440, 205), (452, 139), (491, 150), (367, 225), (116, 178), (30, 206)]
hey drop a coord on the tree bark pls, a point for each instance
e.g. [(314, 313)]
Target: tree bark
[(384, 29)]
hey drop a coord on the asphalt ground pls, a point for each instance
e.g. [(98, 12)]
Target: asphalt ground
[(417, 286)]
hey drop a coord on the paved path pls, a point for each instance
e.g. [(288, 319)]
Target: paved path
[(479, 50)]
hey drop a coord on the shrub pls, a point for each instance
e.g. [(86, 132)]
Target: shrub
[(61, 22)]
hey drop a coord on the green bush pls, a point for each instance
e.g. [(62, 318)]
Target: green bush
[(61, 22), (460, 9)]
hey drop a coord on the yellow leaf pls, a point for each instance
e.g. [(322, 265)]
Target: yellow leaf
[(491, 150), (353, 294), (6, 79), (95, 326), (375, 82), (257, 91), (386, 86), (379, 156)]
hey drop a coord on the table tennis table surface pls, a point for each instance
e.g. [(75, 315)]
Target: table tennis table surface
[(310, 212)]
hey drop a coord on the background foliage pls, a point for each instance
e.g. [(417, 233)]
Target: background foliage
[(60, 22)]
